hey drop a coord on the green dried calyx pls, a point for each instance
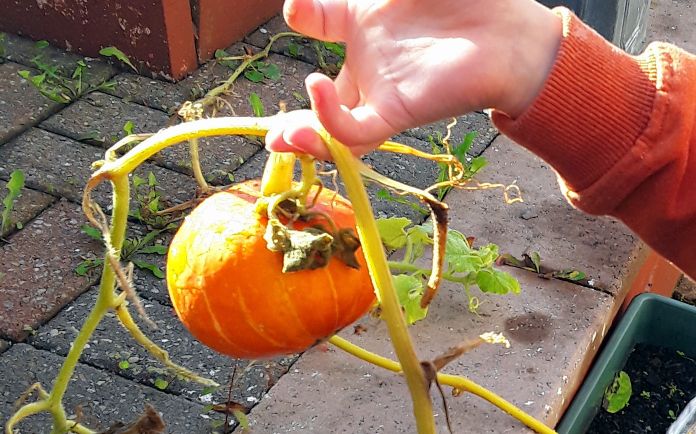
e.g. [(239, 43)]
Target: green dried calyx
[(312, 247)]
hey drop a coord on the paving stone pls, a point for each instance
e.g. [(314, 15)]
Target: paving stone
[(287, 88), (554, 328), (23, 50), (21, 105), (472, 122), (305, 51), (61, 166), (686, 290), (27, 206), (156, 94), (99, 119), (38, 264), (565, 238), (111, 344), (103, 398)]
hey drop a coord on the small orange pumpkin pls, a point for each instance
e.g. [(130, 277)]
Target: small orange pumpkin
[(228, 288)]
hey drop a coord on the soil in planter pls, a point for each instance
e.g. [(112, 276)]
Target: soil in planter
[(663, 383)]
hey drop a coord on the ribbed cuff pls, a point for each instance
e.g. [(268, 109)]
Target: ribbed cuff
[(595, 104)]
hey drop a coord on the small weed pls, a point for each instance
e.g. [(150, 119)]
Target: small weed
[(14, 187), (161, 383), (123, 364), (256, 105), (119, 55), (54, 84), (323, 50), (131, 246), (258, 71), (149, 203), (618, 394), (2, 44), (645, 394), (471, 165), (385, 195)]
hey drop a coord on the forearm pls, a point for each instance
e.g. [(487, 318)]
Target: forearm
[(620, 131)]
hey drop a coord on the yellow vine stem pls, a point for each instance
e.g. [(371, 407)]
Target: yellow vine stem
[(456, 382), (382, 280), (117, 170)]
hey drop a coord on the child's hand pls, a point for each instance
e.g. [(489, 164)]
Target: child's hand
[(411, 62)]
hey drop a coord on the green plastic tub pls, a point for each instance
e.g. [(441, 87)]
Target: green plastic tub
[(650, 319)]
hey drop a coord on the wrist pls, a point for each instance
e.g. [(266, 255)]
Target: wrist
[(532, 57)]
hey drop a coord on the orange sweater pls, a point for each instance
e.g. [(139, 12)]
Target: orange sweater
[(621, 133)]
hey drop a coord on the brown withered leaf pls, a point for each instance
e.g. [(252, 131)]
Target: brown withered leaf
[(150, 422), (230, 407)]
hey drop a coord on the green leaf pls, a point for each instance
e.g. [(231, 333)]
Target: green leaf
[(151, 180), (84, 267), (477, 164), (536, 260), (618, 394), (253, 75), (161, 384), (123, 364), (219, 53), (460, 257), (40, 45), (138, 181), (128, 127), (410, 291), (293, 49), (269, 70), (92, 232), (393, 231), (14, 187), (157, 249), (419, 237), (241, 418), (573, 275), (154, 269), (118, 54), (496, 282), (335, 48), (256, 105)]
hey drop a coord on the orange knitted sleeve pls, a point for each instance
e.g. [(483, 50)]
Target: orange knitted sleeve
[(621, 133)]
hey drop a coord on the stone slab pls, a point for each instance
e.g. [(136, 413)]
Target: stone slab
[(27, 206), (21, 105), (673, 21), (103, 398), (288, 89), (22, 50), (99, 118), (553, 326), (38, 264), (61, 166), (565, 238), (303, 46), (156, 94), (111, 344), (472, 122)]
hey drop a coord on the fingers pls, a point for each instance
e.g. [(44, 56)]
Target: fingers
[(319, 19), (360, 126), (297, 134), (347, 91)]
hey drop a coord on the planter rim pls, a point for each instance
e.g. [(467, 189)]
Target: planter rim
[(633, 328)]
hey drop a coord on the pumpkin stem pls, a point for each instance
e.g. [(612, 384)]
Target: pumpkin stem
[(277, 175)]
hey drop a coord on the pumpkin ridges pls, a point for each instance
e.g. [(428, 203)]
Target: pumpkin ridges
[(216, 325), (261, 311)]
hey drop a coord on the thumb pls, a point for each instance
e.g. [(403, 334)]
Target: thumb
[(319, 19)]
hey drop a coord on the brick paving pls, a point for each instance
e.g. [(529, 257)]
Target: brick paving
[(555, 327)]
